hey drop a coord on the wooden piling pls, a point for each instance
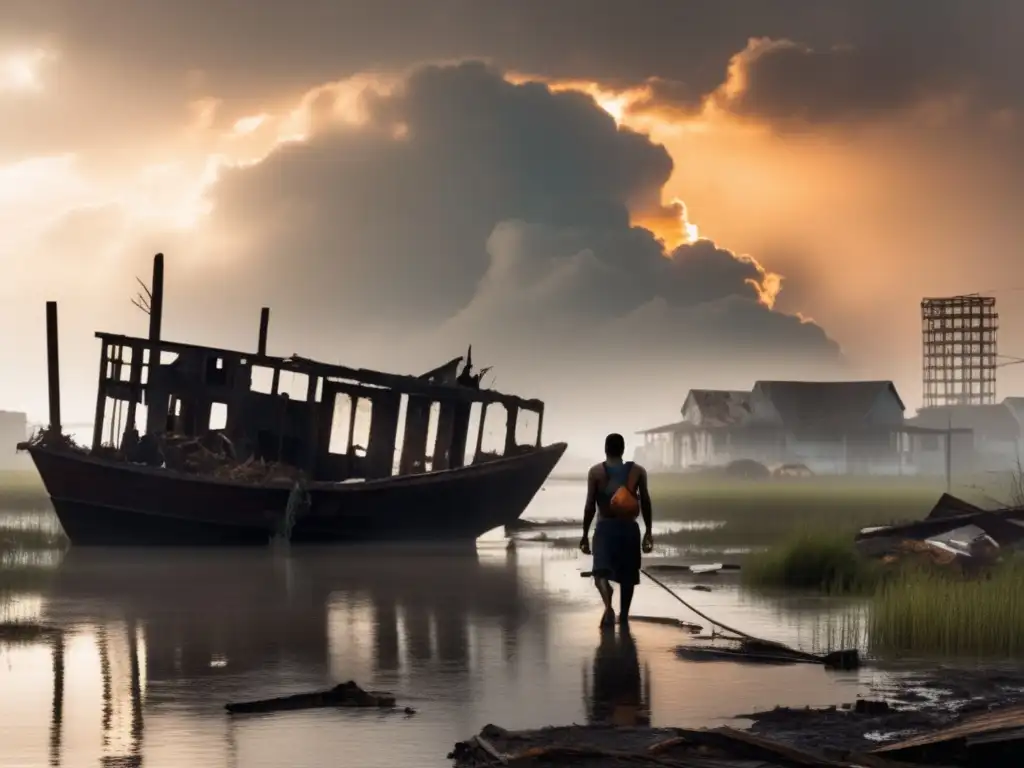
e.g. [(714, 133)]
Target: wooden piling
[(53, 364), (156, 303), (261, 348)]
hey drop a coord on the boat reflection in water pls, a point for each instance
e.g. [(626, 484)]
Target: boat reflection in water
[(616, 695), (179, 633)]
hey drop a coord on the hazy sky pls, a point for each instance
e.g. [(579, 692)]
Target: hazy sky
[(398, 179)]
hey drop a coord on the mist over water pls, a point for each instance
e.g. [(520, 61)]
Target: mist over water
[(155, 643)]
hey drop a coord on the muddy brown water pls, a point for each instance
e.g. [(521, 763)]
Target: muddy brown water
[(155, 643)]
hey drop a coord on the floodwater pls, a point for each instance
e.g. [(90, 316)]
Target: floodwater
[(154, 644)]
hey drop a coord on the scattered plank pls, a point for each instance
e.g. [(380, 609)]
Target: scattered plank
[(343, 695), (669, 622), (607, 746), (992, 739)]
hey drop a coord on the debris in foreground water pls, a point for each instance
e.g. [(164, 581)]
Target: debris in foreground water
[(994, 739), (343, 695), (607, 746)]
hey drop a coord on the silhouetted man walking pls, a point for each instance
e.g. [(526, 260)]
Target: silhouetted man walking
[(617, 492)]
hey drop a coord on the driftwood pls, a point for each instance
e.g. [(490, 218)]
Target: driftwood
[(768, 653), (344, 695)]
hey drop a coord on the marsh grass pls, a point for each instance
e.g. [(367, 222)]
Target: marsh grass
[(818, 560), (30, 532), (934, 611), (22, 490), (769, 512)]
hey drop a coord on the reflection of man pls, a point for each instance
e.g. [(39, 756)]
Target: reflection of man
[(616, 696)]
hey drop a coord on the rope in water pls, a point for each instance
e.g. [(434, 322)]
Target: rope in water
[(704, 616), (840, 659)]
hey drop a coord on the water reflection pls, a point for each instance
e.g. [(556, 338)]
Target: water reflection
[(57, 708), (181, 633), (154, 643), (616, 694)]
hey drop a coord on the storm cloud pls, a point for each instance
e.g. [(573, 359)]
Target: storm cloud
[(466, 202), (467, 209), (464, 195)]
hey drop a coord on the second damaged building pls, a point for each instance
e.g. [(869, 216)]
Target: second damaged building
[(163, 409), (829, 427)]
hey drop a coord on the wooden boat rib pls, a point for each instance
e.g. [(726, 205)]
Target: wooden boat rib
[(177, 481)]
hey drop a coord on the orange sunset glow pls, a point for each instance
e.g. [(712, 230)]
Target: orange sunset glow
[(815, 213), (362, 365)]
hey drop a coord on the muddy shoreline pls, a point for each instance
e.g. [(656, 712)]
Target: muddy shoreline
[(926, 699), (920, 701)]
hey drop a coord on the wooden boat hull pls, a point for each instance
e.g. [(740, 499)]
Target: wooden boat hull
[(110, 503)]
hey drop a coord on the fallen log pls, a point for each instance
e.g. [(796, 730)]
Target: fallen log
[(343, 695)]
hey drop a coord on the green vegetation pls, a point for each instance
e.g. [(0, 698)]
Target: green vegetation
[(915, 607), (931, 611), (818, 560), (763, 513)]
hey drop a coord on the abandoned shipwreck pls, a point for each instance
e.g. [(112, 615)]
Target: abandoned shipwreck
[(282, 465)]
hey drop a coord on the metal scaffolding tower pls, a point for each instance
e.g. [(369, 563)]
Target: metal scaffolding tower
[(959, 350)]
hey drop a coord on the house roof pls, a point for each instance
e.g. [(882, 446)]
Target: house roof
[(1016, 405), (810, 405), (997, 421), (720, 407)]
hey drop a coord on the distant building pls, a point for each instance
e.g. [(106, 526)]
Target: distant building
[(13, 430), (991, 436), (830, 427)]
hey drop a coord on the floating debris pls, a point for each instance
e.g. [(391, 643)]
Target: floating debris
[(606, 746), (343, 695), (993, 739)]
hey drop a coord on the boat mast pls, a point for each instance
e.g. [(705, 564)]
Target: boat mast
[(53, 365), (261, 346)]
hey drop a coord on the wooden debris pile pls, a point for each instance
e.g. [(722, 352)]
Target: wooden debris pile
[(54, 439), (1002, 527), (608, 746), (920, 550), (994, 739), (214, 455)]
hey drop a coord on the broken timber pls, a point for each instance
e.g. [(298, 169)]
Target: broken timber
[(343, 695), (993, 739), (601, 747)]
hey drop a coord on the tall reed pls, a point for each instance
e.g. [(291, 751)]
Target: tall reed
[(934, 611)]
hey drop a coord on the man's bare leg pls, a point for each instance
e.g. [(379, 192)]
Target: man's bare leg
[(625, 599), (605, 588)]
